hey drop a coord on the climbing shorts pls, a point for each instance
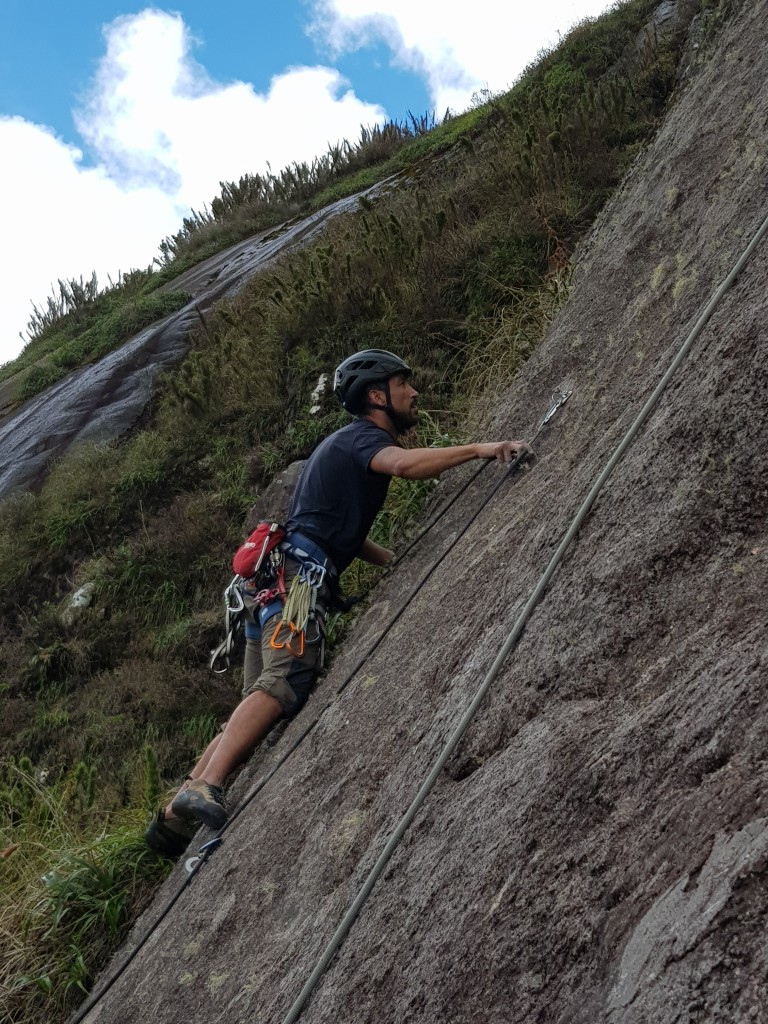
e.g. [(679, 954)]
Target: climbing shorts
[(286, 674)]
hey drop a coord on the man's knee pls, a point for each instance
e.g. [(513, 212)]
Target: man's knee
[(276, 691), (267, 705)]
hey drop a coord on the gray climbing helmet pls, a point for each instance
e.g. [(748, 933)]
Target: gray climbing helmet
[(357, 373)]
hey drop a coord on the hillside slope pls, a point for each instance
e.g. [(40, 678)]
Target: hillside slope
[(103, 401), (596, 849)]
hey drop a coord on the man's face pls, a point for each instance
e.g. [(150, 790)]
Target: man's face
[(403, 398)]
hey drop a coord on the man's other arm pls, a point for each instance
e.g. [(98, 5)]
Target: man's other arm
[(375, 553)]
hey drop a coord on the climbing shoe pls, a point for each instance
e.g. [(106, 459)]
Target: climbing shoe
[(201, 802), (169, 836)]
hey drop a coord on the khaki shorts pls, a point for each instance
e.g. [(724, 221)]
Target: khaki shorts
[(286, 675)]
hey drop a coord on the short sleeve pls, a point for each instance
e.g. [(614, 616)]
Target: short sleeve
[(370, 442)]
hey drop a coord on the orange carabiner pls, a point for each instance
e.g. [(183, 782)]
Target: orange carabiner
[(288, 643)]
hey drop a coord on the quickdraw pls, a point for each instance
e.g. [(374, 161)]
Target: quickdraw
[(559, 397), (288, 642), (300, 610), (191, 864), (233, 623)]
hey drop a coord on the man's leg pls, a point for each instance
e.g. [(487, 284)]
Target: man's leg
[(281, 688), (202, 799), (252, 669), (167, 834), (250, 722)]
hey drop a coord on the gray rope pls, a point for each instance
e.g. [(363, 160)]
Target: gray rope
[(511, 641)]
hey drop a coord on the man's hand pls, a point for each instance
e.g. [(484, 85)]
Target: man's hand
[(503, 451)]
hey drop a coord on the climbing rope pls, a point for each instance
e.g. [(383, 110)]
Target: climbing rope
[(513, 638)]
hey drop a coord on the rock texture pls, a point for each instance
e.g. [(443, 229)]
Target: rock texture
[(596, 850)]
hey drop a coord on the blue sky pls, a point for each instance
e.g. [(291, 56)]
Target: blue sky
[(117, 118), (43, 73)]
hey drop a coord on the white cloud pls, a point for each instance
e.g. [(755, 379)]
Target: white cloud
[(62, 220), (458, 48), (163, 135), (155, 116)]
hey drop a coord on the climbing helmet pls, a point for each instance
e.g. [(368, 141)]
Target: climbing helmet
[(359, 372)]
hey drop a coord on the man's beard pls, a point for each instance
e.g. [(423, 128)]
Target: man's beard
[(403, 422)]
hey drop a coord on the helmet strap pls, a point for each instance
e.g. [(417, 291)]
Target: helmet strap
[(395, 420)]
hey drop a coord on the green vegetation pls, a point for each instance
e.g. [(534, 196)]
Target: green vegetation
[(258, 201), (80, 324), (72, 882), (460, 265)]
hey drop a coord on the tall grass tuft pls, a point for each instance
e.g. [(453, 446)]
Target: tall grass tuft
[(258, 201), (71, 883)]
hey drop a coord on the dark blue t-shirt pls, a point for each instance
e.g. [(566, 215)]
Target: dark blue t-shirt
[(338, 496)]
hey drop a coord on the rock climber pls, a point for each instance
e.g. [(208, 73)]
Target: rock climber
[(339, 493)]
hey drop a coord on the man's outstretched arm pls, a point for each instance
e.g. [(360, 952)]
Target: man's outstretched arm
[(423, 463)]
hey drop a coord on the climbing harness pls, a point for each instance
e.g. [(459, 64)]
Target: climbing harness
[(254, 562), (260, 594)]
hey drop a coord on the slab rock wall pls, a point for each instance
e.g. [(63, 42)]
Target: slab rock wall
[(596, 849)]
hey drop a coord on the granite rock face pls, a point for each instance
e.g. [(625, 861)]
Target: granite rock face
[(596, 849)]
